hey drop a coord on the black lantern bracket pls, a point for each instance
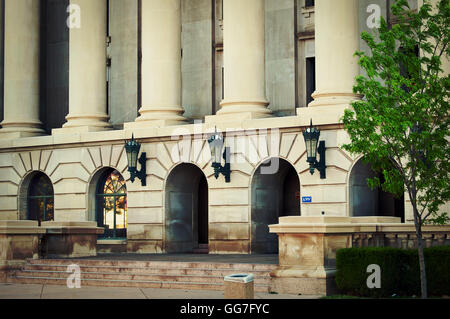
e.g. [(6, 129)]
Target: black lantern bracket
[(224, 170), (319, 165), (142, 174)]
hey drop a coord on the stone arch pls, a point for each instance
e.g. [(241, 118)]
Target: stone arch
[(275, 192), (24, 188), (185, 230), (363, 201)]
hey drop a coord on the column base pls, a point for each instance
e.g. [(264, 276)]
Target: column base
[(79, 129), (15, 135), (85, 123), (14, 130), (152, 124), (240, 110), (158, 116), (333, 98)]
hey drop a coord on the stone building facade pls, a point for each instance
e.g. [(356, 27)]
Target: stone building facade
[(81, 77)]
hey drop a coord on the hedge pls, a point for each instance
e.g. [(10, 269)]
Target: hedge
[(400, 273)]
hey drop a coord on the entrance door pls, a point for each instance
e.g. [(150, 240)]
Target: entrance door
[(274, 195), (186, 215)]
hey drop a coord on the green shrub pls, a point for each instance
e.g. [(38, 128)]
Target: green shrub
[(400, 273)]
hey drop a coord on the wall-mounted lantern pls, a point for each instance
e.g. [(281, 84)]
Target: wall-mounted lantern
[(216, 143), (132, 148), (311, 136)]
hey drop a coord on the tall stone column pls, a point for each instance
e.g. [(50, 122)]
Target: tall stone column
[(21, 69), (336, 40), (87, 67), (244, 60), (161, 64)]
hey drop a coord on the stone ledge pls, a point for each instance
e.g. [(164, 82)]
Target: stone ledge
[(341, 225), (12, 227), (111, 241), (71, 228)]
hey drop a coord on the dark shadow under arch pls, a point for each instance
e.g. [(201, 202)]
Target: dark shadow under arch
[(275, 193), (363, 201), (186, 216)]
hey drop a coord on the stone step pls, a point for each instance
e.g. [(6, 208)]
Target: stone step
[(133, 277), (128, 283), (143, 270), (156, 274), (154, 264)]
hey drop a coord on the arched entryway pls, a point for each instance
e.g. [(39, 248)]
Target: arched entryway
[(186, 216), (275, 193), (111, 203), (364, 201)]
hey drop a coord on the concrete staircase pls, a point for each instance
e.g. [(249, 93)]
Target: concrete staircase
[(144, 274)]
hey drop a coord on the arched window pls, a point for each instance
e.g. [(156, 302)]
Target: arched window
[(40, 198), (112, 204)]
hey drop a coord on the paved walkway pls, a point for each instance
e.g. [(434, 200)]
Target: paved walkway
[(30, 291)]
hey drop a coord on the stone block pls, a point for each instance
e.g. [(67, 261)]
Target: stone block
[(232, 196), (70, 239), (147, 232), (148, 215), (229, 231), (230, 214), (145, 199), (19, 240), (229, 246), (144, 246), (70, 201)]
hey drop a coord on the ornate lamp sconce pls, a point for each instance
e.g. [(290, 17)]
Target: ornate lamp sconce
[(216, 143), (311, 136), (132, 148)]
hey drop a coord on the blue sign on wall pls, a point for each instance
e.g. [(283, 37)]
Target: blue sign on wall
[(307, 199)]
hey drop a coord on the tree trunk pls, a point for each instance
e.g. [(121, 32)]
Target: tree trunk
[(423, 274), (420, 244)]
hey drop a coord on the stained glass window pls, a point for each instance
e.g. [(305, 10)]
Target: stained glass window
[(112, 205), (40, 199)]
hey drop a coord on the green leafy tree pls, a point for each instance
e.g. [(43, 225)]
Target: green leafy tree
[(401, 125)]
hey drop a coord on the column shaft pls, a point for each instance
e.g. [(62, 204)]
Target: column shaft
[(336, 40), (161, 64), (244, 59), (87, 68), (21, 69)]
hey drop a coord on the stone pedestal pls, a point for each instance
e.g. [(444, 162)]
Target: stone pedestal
[(70, 239), (307, 253), (19, 240)]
